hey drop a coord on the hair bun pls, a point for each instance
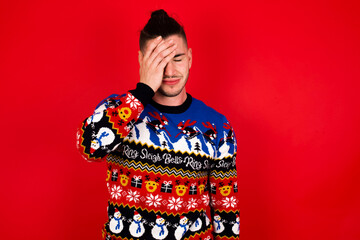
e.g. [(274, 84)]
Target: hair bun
[(159, 14)]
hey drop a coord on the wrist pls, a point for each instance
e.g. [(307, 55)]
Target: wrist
[(143, 92), (150, 84)]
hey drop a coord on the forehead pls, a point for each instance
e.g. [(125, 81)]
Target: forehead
[(181, 44)]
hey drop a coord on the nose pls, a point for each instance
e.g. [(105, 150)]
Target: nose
[(169, 69)]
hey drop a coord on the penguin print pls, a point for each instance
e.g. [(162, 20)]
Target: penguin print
[(187, 130), (103, 138), (210, 134), (96, 117)]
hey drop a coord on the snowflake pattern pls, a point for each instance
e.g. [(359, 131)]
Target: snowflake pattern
[(205, 198), (153, 200), (175, 203), (115, 191), (127, 129), (192, 203), (133, 196), (229, 202), (134, 103)]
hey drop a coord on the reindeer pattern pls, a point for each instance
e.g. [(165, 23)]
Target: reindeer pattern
[(155, 167)]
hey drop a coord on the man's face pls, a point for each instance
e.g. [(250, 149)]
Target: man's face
[(176, 71)]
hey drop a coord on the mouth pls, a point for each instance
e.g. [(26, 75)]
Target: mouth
[(171, 81)]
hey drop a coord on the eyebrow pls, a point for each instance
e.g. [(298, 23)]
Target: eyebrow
[(178, 55)]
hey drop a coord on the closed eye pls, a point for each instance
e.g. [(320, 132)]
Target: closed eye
[(176, 57)]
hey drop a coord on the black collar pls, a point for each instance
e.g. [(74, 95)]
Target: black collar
[(173, 109)]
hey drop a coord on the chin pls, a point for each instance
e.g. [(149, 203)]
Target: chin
[(170, 93)]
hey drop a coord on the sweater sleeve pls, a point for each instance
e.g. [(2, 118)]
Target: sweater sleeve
[(111, 122), (223, 186)]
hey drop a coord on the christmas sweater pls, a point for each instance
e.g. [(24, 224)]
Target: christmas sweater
[(171, 171)]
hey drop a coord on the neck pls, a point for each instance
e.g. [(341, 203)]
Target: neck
[(170, 101)]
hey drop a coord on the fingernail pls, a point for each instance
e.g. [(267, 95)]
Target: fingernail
[(158, 38)]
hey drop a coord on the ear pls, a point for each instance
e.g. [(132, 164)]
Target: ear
[(140, 57), (190, 57)]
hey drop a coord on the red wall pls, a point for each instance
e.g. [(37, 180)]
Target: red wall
[(286, 73)]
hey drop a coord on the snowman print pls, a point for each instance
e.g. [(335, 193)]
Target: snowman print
[(136, 227), (116, 224), (159, 231)]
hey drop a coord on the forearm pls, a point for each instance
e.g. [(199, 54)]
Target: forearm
[(111, 122)]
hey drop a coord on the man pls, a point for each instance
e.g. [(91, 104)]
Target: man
[(171, 159)]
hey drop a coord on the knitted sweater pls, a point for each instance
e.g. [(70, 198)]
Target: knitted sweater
[(171, 170)]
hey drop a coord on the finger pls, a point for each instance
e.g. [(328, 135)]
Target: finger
[(159, 51), (149, 56), (151, 46), (163, 55), (160, 45), (167, 59)]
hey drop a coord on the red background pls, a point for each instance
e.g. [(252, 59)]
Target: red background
[(286, 74)]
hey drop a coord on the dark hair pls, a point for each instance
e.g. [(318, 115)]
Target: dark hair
[(160, 24)]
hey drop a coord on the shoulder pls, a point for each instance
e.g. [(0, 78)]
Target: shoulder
[(207, 111), (111, 100)]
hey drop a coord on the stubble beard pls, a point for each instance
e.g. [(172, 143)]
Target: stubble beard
[(172, 94)]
